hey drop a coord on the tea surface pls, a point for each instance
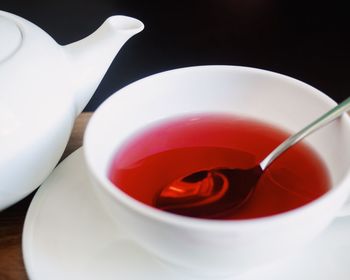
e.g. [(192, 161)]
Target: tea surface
[(158, 155)]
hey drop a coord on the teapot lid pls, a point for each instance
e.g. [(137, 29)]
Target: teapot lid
[(11, 38)]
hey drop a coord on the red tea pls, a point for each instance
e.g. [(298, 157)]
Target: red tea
[(158, 155)]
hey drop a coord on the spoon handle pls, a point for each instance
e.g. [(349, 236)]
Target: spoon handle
[(315, 125)]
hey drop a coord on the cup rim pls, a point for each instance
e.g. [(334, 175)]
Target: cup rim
[(198, 223)]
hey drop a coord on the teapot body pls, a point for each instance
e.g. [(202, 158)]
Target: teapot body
[(43, 87), (36, 111)]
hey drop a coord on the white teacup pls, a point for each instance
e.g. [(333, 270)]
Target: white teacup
[(208, 247)]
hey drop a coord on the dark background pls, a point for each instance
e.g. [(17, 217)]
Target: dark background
[(306, 40)]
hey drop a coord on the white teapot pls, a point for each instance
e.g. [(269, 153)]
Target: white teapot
[(43, 87)]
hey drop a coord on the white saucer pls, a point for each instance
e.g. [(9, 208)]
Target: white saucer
[(67, 236)]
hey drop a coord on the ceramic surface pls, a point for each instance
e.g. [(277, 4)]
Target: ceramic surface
[(43, 87), (68, 236), (217, 248)]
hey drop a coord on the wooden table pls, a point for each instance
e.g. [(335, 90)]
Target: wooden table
[(12, 219)]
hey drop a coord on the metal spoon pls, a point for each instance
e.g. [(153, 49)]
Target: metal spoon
[(215, 192)]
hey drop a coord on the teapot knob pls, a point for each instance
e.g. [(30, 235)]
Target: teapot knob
[(10, 38)]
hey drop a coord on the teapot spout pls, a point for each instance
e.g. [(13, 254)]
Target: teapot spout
[(91, 57)]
